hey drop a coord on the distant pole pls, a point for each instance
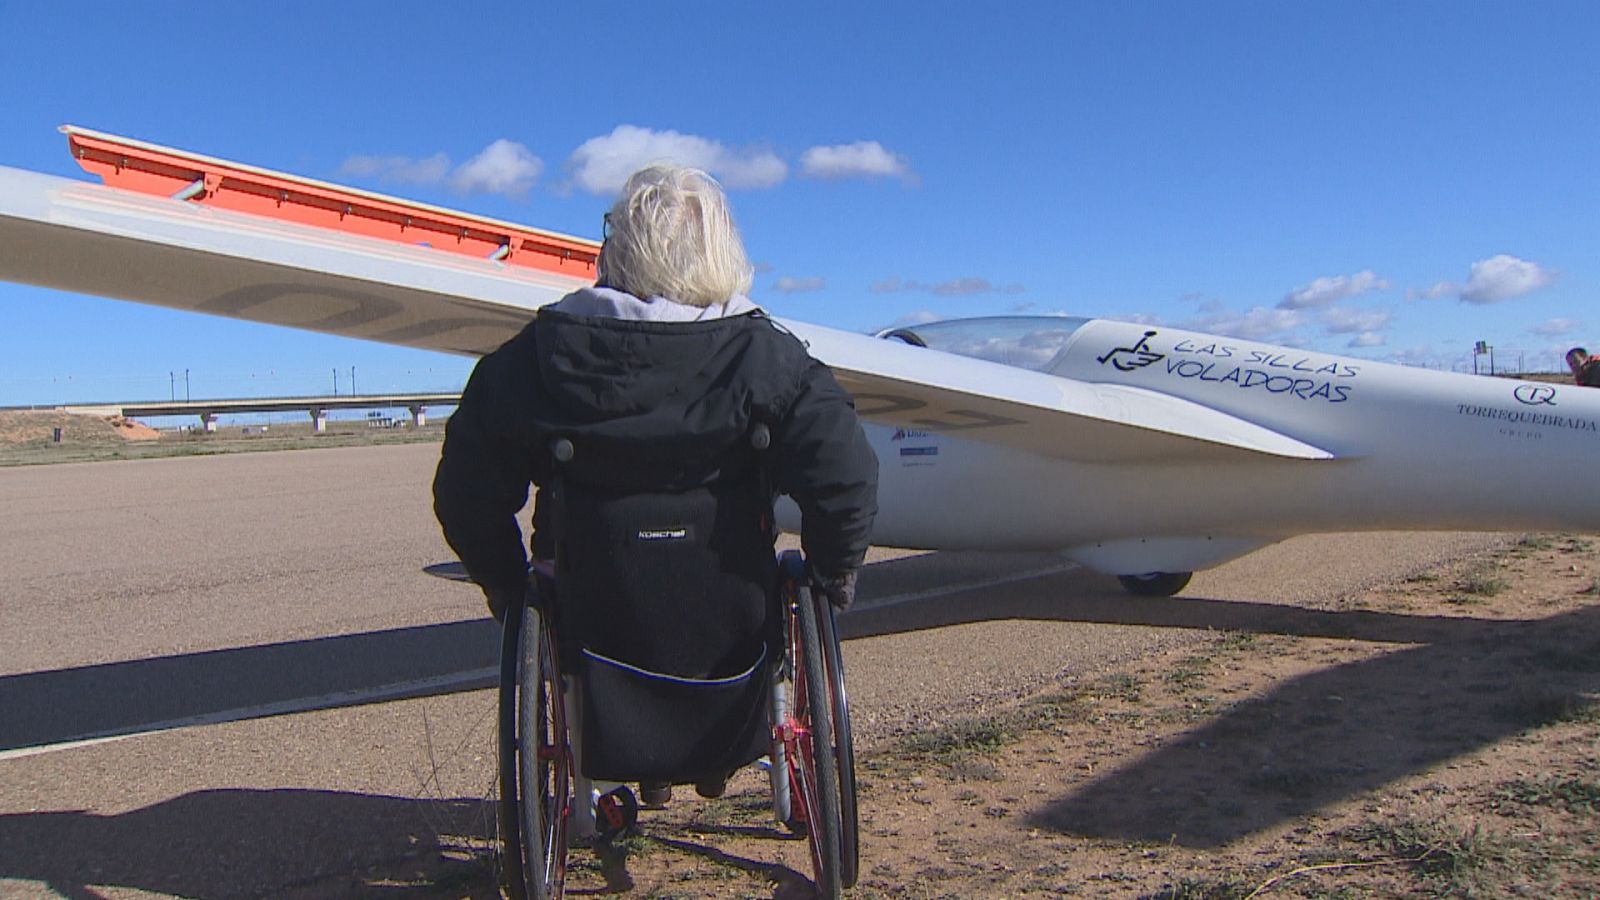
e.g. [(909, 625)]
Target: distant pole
[(336, 382), (172, 385), (186, 385), (352, 381), (1491, 360)]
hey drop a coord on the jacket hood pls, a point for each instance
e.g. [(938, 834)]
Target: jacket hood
[(614, 304), (607, 355)]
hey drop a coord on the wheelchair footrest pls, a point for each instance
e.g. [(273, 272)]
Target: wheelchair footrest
[(615, 812)]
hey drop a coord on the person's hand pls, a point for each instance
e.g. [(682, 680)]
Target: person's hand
[(840, 589)]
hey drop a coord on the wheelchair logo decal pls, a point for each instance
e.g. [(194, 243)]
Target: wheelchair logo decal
[(1126, 359), (1535, 395)]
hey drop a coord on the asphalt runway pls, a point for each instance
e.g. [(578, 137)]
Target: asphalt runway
[(233, 675)]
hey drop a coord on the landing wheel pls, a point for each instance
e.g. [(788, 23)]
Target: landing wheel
[(535, 759), (1155, 584)]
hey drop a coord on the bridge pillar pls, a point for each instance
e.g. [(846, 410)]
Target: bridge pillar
[(419, 416), (208, 422), (319, 420)]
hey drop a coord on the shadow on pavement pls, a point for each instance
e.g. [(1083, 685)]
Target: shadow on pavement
[(64, 705), (247, 682), (1081, 596), (250, 843)]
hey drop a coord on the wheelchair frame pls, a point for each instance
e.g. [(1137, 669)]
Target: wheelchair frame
[(545, 801)]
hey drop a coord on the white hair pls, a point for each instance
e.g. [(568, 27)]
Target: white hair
[(671, 235)]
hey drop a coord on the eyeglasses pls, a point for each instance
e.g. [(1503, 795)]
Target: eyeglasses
[(605, 227)]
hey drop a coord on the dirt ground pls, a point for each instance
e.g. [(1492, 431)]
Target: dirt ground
[(30, 428), (1435, 737), (27, 437)]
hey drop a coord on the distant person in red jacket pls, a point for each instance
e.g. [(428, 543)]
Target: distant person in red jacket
[(1585, 368)]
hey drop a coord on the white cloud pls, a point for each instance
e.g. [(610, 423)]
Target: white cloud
[(862, 159), (1439, 289), (1340, 320), (1331, 289), (791, 285), (1424, 358), (1259, 323), (885, 286), (601, 165), (968, 286), (1367, 339), (397, 169), (1503, 277), (504, 167), (961, 287), (1557, 327), (1491, 280)]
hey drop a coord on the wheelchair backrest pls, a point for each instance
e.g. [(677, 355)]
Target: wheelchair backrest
[(679, 581)]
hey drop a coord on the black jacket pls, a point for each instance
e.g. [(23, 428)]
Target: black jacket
[(1588, 374), (649, 406)]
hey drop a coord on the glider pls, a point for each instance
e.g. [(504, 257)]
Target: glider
[(1144, 452)]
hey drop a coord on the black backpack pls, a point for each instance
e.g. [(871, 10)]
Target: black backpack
[(666, 608)]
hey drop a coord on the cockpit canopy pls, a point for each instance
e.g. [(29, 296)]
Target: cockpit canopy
[(1028, 342)]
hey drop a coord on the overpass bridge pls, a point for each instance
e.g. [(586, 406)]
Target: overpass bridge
[(317, 407)]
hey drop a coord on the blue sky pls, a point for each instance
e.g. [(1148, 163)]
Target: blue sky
[(1381, 179)]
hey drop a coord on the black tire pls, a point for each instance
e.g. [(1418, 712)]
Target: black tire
[(509, 814), (819, 762), (1155, 584), (844, 745), (535, 760), (545, 780)]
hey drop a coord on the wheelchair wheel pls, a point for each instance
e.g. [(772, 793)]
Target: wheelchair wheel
[(535, 759), (843, 742), (814, 759)]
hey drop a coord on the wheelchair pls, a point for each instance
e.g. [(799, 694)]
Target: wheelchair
[(575, 726)]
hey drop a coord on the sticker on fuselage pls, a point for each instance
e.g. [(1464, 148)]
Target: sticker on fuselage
[(1302, 377), (1510, 419), (1535, 395), (923, 453), (1127, 359)]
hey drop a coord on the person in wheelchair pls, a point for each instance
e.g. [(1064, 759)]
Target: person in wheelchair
[(659, 518)]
